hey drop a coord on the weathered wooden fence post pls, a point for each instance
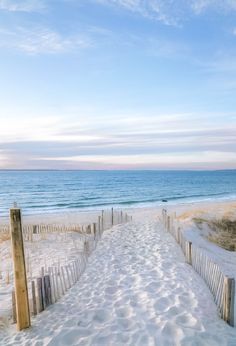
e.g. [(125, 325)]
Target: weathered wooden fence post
[(21, 290), (94, 230), (164, 214), (189, 252), (178, 235), (168, 223), (112, 216), (228, 300), (40, 294), (34, 305), (102, 220), (13, 306), (99, 226)]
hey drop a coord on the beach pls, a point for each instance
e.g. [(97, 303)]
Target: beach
[(137, 288), (118, 173)]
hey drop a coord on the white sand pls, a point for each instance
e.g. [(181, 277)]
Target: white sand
[(136, 290), (57, 249), (69, 217)]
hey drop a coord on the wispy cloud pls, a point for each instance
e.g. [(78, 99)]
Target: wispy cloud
[(41, 40), (171, 12), (156, 9), (22, 5), (121, 125), (127, 141), (200, 6), (150, 159), (179, 160)]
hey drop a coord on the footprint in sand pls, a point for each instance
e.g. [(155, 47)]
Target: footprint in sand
[(125, 323), (112, 290), (171, 332), (69, 337), (102, 316), (187, 320), (162, 304), (204, 339), (153, 287), (124, 312), (174, 311)]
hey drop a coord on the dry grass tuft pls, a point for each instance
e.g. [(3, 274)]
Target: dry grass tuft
[(4, 237), (223, 232)]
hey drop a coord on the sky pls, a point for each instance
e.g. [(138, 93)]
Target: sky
[(118, 84)]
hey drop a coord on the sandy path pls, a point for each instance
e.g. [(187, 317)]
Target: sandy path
[(136, 290)]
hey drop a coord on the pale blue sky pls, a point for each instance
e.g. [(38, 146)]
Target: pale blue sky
[(110, 84)]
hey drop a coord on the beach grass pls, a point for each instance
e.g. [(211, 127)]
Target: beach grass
[(4, 237), (223, 231)]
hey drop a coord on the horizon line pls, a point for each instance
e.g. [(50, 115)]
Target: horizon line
[(111, 170)]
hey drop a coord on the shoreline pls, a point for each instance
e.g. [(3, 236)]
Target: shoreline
[(90, 215)]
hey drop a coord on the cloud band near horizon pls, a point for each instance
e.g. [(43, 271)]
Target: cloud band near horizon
[(127, 142)]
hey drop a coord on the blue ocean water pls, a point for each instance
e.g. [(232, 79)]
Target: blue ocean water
[(53, 191)]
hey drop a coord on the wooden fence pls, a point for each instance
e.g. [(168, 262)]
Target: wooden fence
[(106, 220), (221, 286), (55, 279)]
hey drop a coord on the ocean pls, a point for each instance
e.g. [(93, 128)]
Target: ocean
[(54, 191)]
